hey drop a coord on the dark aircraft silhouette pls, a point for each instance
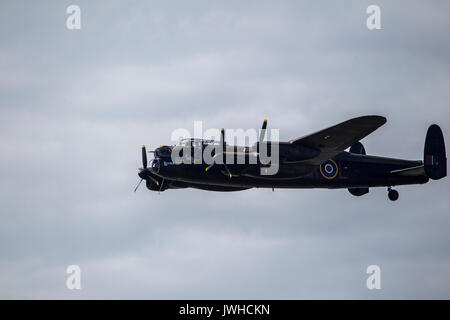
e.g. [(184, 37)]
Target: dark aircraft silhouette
[(318, 160)]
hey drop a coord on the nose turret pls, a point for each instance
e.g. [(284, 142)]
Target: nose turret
[(163, 152), (155, 166)]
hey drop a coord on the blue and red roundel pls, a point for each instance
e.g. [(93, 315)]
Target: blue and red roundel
[(329, 169)]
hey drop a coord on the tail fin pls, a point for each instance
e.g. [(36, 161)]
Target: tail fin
[(434, 157)]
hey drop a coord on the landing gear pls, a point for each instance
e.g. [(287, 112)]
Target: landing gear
[(392, 194)]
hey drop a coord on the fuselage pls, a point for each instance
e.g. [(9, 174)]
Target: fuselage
[(346, 170), (317, 160)]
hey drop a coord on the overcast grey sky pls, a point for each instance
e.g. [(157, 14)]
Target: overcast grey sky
[(75, 107)]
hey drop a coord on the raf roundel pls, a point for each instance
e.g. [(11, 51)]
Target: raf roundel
[(329, 169)]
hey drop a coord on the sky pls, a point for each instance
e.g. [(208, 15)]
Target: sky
[(76, 105)]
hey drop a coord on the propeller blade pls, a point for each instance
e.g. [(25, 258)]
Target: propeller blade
[(154, 180), (263, 131), (224, 144), (262, 134), (213, 162), (162, 183), (228, 171), (222, 139), (138, 185), (144, 157), (222, 154)]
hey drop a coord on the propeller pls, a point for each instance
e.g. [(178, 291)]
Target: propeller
[(263, 131), (143, 171), (144, 157), (135, 189), (221, 154), (262, 134), (222, 142)]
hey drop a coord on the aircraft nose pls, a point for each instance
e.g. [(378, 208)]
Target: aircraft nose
[(141, 174), (163, 152), (144, 172)]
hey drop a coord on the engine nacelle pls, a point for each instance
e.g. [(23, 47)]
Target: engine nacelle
[(358, 148)]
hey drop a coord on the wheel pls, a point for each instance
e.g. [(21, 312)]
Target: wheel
[(393, 195)]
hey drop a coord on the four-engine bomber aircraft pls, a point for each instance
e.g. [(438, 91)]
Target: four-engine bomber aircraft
[(318, 160)]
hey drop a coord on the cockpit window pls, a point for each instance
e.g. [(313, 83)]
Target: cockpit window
[(184, 142), (193, 142)]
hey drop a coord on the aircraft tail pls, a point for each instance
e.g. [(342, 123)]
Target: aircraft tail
[(434, 157)]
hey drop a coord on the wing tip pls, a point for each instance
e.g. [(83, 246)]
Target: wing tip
[(373, 117), (381, 119)]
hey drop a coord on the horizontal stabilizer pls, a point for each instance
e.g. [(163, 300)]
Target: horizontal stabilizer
[(410, 172)]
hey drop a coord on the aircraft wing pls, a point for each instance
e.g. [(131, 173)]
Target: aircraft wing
[(335, 139), (342, 135)]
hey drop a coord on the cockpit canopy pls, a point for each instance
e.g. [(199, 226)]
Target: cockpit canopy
[(196, 142)]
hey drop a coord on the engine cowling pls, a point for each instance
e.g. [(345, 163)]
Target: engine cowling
[(358, 148)]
